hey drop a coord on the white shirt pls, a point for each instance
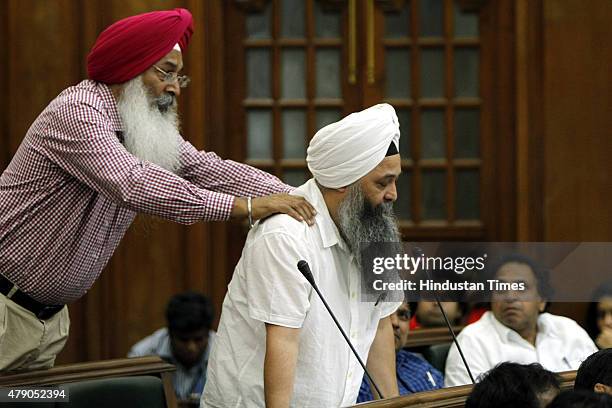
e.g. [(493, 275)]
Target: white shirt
[(561, 345), (268, 288)]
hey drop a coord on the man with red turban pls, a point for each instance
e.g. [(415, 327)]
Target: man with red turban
[(101, 152)]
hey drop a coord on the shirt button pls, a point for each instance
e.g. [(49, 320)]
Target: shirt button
[(353, 295)]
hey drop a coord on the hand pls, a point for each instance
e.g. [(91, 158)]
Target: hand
[(604, 340), (295, 206)]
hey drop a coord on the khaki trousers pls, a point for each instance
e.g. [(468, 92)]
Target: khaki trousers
[(27, 342)]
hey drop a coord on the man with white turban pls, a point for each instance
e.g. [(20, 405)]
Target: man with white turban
[(277, 346), (101, 152)]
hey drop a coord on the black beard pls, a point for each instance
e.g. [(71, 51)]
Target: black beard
[(164, 102)]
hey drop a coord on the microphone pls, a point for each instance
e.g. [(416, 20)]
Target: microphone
[(305, 270), (417, 253)]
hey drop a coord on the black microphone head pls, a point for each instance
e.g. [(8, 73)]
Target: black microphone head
[(304, 268)]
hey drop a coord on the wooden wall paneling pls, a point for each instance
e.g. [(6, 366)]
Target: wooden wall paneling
[(529, 120), (38, 73), (371, 13), (5, 154), (577, 121), (352, 94), (497, 135)]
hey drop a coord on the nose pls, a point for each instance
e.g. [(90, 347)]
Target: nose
[(391, 193), (174, 88), (394, 321)]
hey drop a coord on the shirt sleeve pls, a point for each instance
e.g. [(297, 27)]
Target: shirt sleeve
[(277, 293), (455, 372), (580, 346), (207, 170), (81, 142), (145, 347), (388, 308)]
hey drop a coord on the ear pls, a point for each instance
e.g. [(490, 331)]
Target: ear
[(542, 306), (602, 389)]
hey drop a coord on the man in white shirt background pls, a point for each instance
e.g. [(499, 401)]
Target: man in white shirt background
[(517, 329), (276, 344)]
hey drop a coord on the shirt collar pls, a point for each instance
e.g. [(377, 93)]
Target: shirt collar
[(506, 333), (111, 106), (330, 235)]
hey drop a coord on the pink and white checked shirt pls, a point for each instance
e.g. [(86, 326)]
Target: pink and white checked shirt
[(72, 190)]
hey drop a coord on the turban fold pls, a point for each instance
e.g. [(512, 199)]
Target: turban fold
[(343, 152), (130, 46)]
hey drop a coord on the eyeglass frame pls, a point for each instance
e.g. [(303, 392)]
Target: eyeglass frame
[(169, 77)]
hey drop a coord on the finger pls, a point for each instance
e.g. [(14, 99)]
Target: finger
[(293, 213), (306, 208), (304, 214)]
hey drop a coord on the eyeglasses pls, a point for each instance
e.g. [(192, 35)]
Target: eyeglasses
[(169, 77)]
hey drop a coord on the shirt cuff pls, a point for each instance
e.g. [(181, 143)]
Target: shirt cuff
[(219, 206)]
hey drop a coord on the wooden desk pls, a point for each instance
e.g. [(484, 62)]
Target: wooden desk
[(429, 336), (453, 397), (62, 374)]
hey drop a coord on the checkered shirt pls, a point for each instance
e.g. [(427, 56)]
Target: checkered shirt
[(72, 190)]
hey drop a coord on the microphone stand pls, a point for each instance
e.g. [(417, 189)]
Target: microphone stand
[(305, 270), (417, 252)]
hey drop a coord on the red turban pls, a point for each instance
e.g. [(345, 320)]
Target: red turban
[(130, 46)]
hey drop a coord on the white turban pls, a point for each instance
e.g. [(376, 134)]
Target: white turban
[(343, 152)]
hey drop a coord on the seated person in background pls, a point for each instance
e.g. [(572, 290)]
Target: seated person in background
[(511, 385), (276, 345), (414, 374), (599, 316), (518, 330), (186, 342), (428, 314), (595, 373), (581, 399)]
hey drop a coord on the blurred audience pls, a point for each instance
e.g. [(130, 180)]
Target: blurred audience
[(185, 342), (599, 316), (511, 385), (517, 329), (428, 314), (581, 399), (414, 374), (595, 373)]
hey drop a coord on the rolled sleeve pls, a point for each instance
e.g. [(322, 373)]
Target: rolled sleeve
[(209, 171)]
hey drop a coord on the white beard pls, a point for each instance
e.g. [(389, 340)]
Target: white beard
[(148, 133)]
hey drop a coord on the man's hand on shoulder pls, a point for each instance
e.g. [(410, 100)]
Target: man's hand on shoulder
[(262, 207)]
